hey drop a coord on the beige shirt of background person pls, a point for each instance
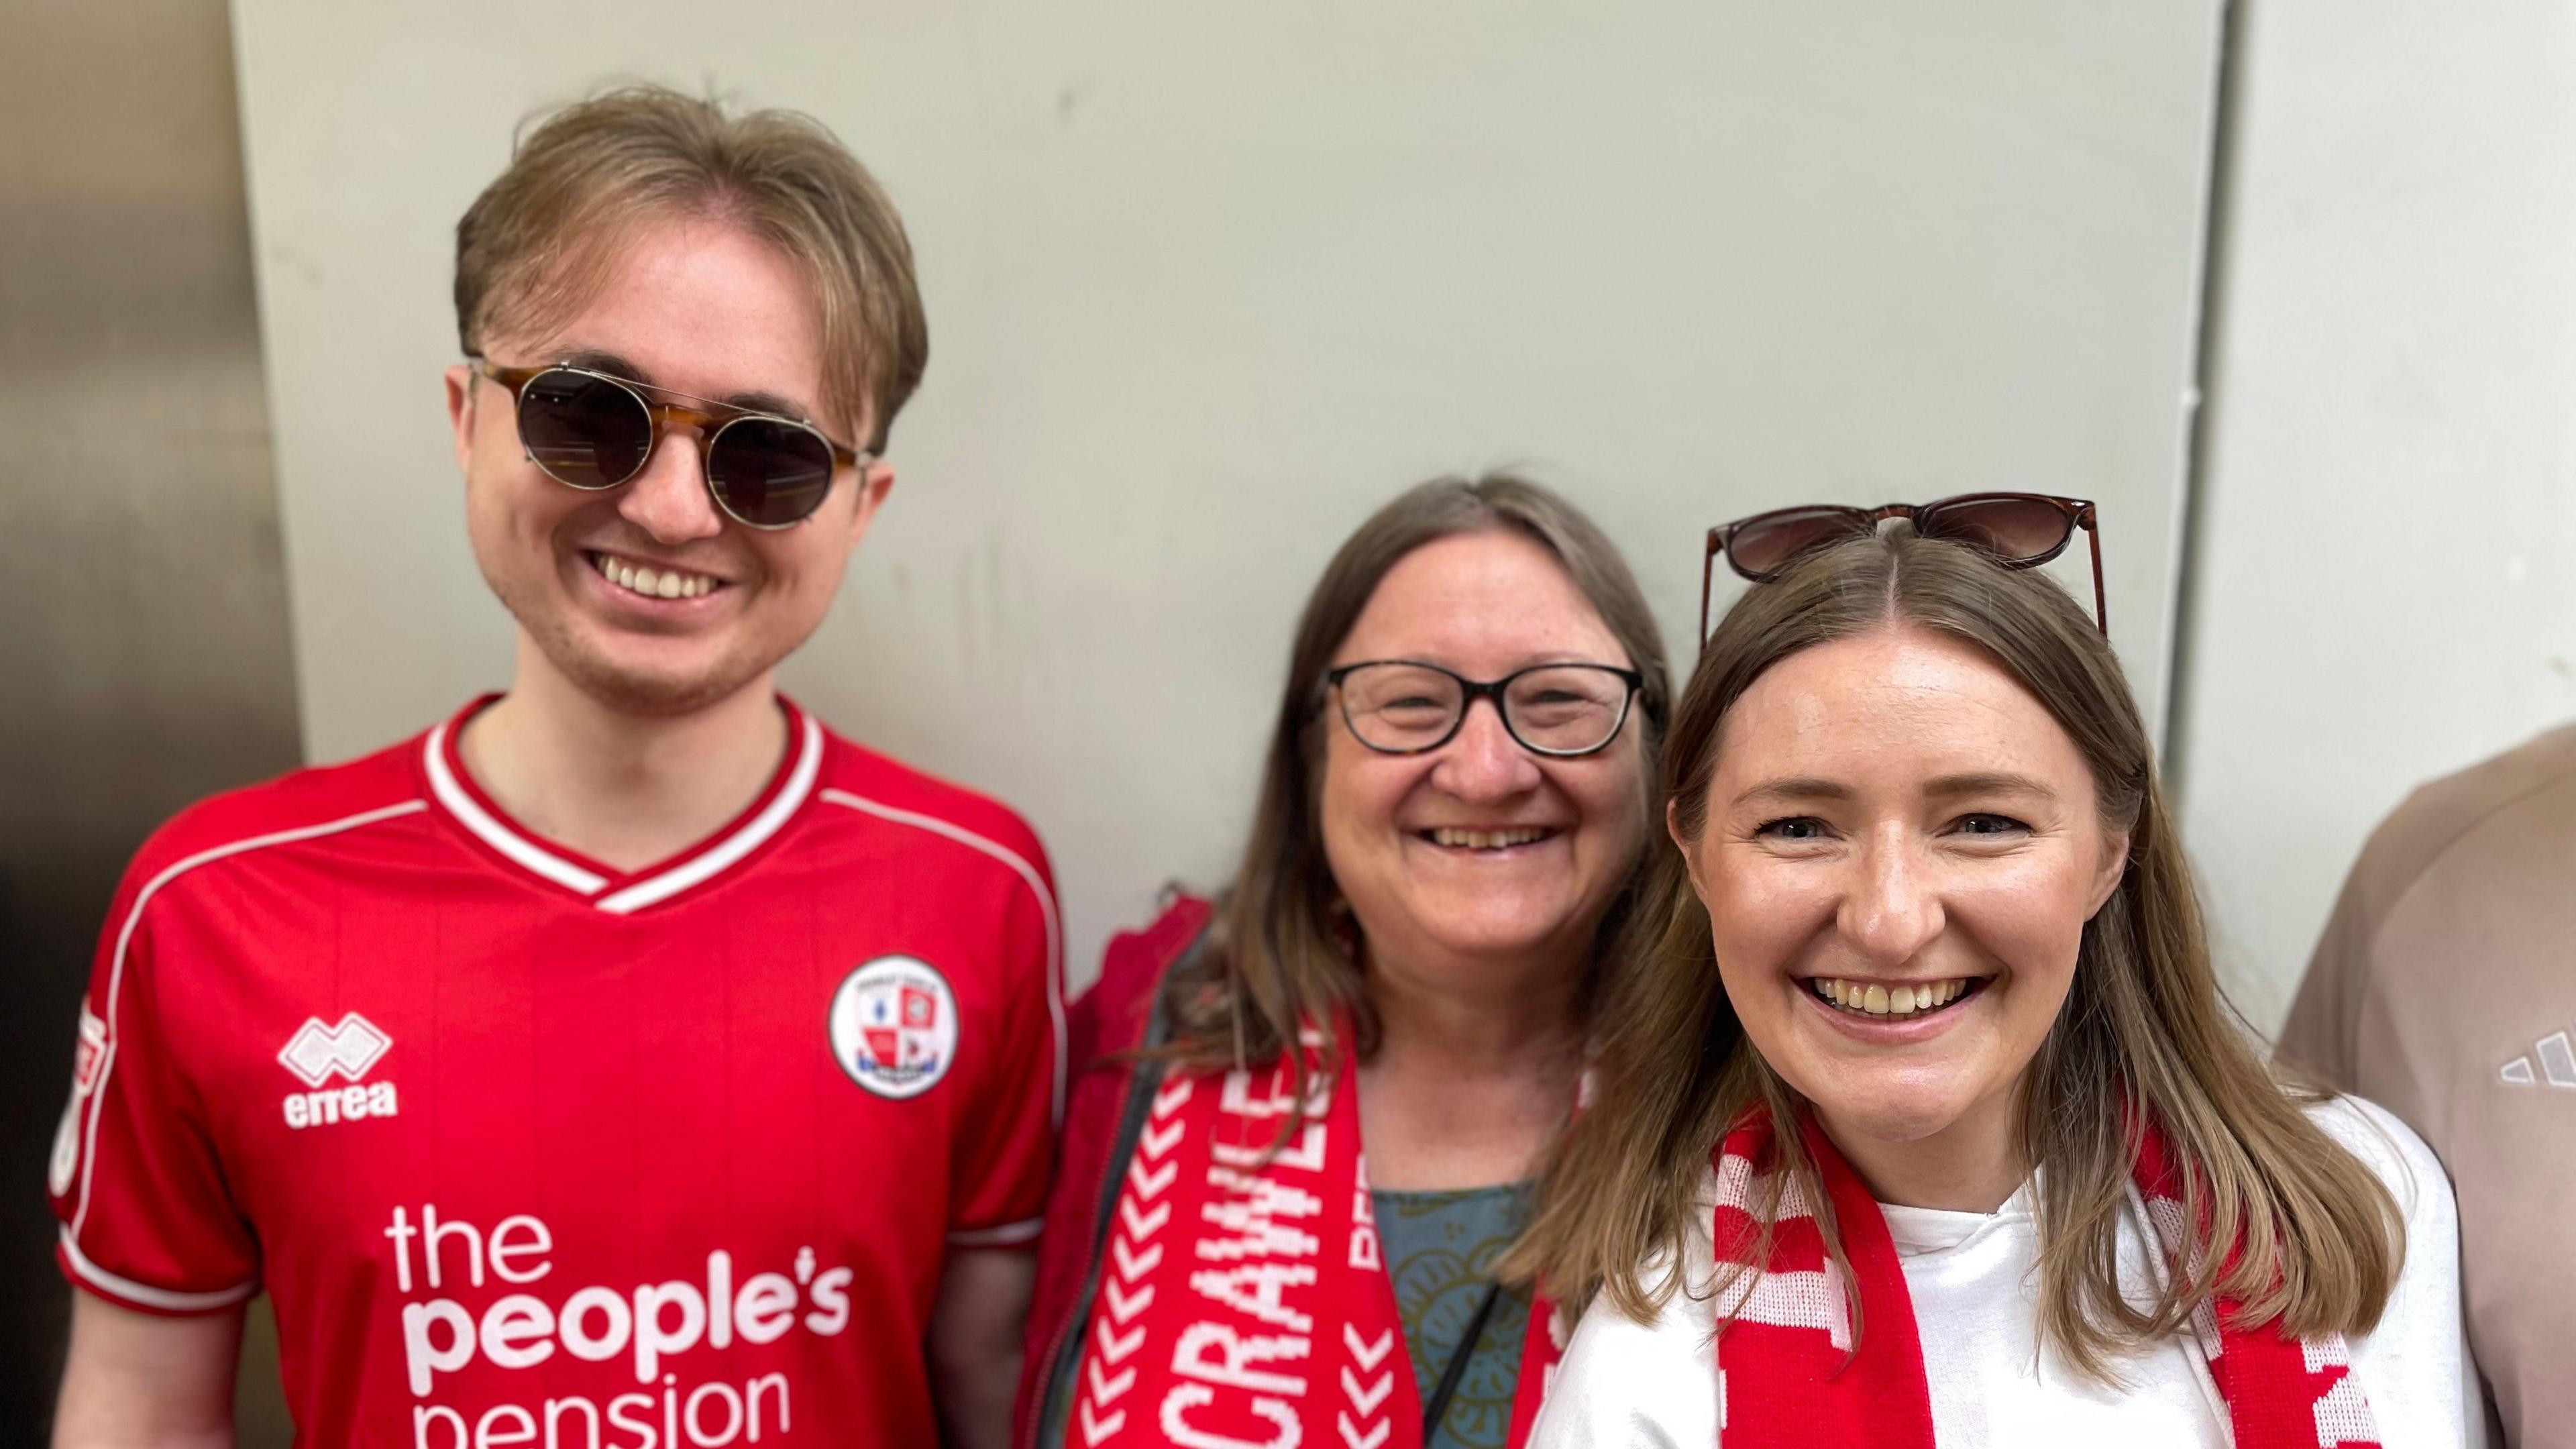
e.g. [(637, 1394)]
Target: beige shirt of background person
[(2444, 989)]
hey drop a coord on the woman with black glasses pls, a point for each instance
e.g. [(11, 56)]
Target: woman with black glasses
[(1312, 1108)]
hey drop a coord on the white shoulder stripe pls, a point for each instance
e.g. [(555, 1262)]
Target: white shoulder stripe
[(125, 937), (1037, 886), (145, 1293)]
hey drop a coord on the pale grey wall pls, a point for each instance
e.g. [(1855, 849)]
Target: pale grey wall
[(2384, 587), (1208, 282)]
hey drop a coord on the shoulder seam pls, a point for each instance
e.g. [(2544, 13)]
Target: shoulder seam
[(1027, 872), (125, 937), (2449, 843)]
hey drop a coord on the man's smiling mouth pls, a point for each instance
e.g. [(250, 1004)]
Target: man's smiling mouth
[(651, 583)]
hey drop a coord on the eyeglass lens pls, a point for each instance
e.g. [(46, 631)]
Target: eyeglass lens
[(769, 472), (582, 430), (591, 433), (1765, 545), (2016, 530), (1568, 709)]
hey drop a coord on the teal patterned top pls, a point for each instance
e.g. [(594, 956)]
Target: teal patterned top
[(1440, 1250)]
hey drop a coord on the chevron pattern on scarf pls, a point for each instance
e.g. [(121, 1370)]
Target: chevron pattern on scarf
[(1244, 1302)]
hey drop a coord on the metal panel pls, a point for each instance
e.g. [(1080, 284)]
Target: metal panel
[(146, 661)]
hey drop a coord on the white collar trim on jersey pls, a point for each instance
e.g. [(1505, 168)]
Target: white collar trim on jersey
[(706, 864)]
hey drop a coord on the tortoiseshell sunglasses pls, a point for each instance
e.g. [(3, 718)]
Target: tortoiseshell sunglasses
[(2019, 530), (593, 431)]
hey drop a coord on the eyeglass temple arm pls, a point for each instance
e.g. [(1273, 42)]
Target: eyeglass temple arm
[(2093, 535), (1707, 574)]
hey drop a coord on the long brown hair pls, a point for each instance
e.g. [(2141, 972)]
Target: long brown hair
[(1276, 957), (2144, 1035)]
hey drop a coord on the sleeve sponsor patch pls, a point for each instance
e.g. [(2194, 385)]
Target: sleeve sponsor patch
[(89, 1056)]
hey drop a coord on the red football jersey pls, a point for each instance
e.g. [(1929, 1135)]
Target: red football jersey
[(528, 1150)]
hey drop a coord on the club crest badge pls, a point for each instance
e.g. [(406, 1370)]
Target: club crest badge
[(894, 1026)]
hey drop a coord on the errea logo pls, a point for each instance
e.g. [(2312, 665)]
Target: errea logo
[(317, 1053)]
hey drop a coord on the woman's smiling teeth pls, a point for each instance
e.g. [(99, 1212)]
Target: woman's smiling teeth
[(1487, 839), (652, 583), (1868, 998)]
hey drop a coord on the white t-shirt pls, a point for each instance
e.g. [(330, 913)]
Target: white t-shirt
[(1974, 1281)]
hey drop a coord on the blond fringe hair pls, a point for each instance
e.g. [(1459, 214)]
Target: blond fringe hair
[(536, 246), (2144, 1035)]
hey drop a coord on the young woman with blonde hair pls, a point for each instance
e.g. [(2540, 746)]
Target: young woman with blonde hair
[(1924, 1121)]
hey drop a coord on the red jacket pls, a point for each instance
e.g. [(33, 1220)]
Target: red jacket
[(1105, 1025)]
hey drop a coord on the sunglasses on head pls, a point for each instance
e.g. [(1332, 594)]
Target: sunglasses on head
[(593, 431), (2017, 530)]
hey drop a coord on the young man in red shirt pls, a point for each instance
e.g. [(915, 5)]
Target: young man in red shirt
[(627, 1060)]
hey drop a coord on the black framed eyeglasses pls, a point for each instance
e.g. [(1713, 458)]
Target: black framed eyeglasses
[(2018, 530), (1406, 707), (593, 431)]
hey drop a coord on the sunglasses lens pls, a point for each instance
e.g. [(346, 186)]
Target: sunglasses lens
[(769, 473), (2016, 530), (1765, 543), (583, 431)]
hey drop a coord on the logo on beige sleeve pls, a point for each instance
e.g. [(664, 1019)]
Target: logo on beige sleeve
[(2557, 1065), (318, 1053)]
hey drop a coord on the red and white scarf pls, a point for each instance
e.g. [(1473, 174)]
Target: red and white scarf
[(1789, 1378), (1244, 1303)]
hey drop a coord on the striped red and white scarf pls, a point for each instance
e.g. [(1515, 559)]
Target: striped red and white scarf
[(1244, 1302), (1791, 1377)]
